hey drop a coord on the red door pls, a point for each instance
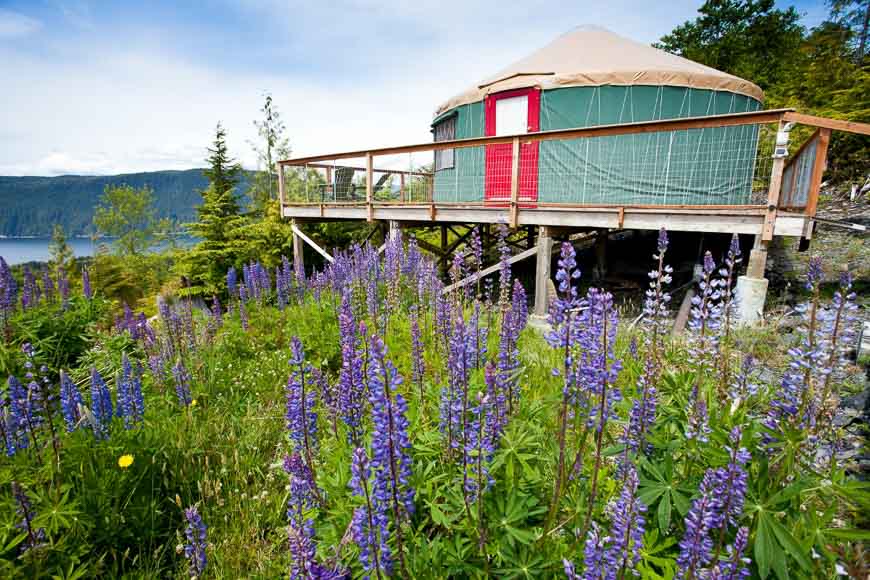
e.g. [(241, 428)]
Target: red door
[(510, 113)]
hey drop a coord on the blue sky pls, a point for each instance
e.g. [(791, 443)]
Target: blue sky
[(103, 87)]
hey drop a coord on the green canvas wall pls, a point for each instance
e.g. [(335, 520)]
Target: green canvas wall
[(703, 166)]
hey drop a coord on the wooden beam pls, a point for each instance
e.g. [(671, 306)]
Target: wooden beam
[(487, 271), (818, 171), (429, 247), (773, 192), (825, 123), (706, 122), (544, 250), (298, 255), (310, 242)]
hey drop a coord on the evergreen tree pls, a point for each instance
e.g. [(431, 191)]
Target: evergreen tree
[(205, 265), (59, 251)]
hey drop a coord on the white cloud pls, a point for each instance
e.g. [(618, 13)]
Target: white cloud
[(109, 107), (15, 25)]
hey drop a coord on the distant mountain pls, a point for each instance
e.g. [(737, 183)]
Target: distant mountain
[(30, 206)]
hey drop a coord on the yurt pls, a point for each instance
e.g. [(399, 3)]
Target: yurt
[(587, 77)]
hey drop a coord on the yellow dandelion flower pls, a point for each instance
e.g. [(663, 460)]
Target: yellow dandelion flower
[(193, 403), (125, 461)]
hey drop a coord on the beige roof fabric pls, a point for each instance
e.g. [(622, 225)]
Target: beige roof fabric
[(592, 56)]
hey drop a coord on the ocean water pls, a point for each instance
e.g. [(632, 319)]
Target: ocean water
[(23, 250)]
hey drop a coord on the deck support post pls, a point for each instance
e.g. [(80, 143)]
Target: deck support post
[(542, 271), (395, 229), (298, 261), (751, 289)]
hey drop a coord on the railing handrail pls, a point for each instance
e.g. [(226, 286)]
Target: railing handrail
[(711, 121)]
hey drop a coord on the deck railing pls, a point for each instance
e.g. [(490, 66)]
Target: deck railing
[(713, 163)]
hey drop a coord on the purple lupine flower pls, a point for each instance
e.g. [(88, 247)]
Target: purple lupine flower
[(9, 429), (704, 321), (563, 336), (838, 330), (504, 265), (728, 274), (63, 285), (30, 290), (101, 405), (301, 400), (655, 306), (129, 395), (370, 523), (743, 387), (418, 364), (182, 384), (22, 419), (71, 402), (732, 481), (736, 565), (704, 516), (391, 460), (697, 426), (86, 284), (570, 572), (479, 449), (8, 290), (196, 544), (232, 281), (351, 380), (454, 398), (593, 553), (47, 286), (35, 538), (623, 553), (303, 489), (642, 416), (598, 369), (795, 403), (216, 320)]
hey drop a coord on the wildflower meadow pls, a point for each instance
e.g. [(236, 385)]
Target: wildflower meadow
[(360, 422)]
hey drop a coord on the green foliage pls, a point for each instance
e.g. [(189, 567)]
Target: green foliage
[(821, 71), (61, 254), (205, 265), (60, 335), (272, 146), (129, 215)]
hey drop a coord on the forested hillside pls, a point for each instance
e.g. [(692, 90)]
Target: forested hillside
[(30, 206)]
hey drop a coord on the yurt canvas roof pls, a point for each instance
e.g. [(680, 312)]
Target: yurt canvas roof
[(592, 56)]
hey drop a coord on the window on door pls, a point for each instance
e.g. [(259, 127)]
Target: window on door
[(512, 115), (445, 131)]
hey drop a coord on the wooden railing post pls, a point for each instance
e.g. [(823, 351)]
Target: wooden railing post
[(818, 170), (775, 184), (369, 186), (515, 182), (402, 187), (281, 198)]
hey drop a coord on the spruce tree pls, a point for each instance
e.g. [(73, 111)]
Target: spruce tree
[(205, 265)]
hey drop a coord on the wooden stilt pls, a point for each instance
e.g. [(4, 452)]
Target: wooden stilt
[(542, 270), (298, 261)]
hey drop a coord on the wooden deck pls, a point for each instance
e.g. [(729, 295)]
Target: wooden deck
[(790, 214)]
